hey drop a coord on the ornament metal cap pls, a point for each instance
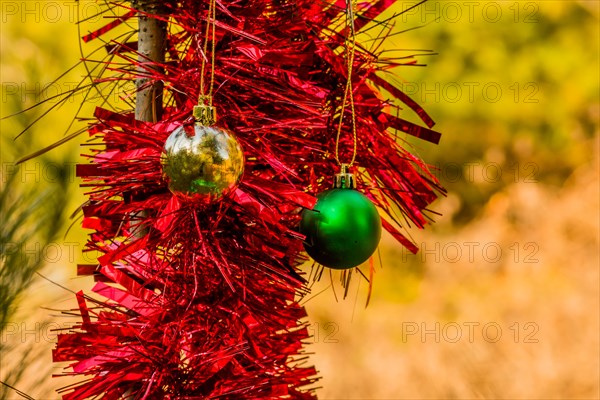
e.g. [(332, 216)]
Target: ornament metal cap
[(204, 113), (344, 179)]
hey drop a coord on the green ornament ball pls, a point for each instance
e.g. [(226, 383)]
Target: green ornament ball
[(343, 230)]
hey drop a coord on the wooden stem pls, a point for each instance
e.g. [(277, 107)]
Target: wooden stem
[(149, 98), (151, 48)]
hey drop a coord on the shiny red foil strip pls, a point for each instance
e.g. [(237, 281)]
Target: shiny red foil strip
[(108, 27), (202, 302)]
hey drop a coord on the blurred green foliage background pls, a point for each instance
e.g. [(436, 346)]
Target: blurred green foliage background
[(514, 89), (515, 85)]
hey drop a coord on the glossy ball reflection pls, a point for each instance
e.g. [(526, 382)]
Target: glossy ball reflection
[(343, 230), (202, 162)]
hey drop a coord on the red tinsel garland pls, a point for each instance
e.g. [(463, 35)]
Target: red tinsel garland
[(202, 301)]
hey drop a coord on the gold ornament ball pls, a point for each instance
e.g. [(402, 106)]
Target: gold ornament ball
[(202, 162)]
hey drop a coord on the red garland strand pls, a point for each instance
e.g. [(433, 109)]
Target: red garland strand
[(205, 303)]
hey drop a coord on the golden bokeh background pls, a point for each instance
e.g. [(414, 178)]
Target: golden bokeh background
[(503, 299)]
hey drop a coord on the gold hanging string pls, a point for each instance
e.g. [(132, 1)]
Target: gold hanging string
[(204, 113), (350, 45), (212, 62), (210, 23)]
